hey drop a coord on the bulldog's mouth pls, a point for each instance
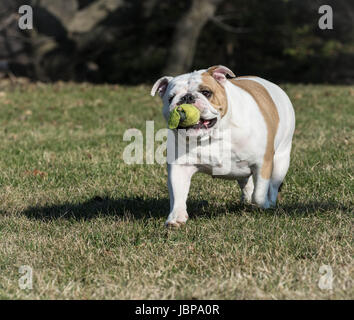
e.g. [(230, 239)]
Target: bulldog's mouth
[(202, 123)]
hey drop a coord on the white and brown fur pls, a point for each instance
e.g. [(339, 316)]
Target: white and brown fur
[(261, 119)]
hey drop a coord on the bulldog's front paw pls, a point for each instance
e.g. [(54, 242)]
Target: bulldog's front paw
[(176, 219)]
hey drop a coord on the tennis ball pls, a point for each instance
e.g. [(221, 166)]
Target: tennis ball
[(174, 119), (184, 115)]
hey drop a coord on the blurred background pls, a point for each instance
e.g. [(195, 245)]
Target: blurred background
[(132, 42)]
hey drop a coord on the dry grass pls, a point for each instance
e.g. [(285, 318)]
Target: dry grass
[(91, 227)]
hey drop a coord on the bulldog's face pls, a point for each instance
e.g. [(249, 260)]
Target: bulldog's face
[(204, 89)]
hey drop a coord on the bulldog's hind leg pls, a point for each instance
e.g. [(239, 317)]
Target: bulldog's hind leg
[(247, 187), (280, 168), (261, 179)]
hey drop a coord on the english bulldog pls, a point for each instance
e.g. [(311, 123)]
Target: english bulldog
[(259, 120)]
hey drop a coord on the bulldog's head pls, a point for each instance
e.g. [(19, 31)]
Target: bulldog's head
[(204, 89)]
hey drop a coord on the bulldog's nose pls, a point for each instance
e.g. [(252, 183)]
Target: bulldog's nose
[(187, 98)]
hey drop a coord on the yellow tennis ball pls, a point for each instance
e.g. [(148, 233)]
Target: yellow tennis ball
[(184, 115)]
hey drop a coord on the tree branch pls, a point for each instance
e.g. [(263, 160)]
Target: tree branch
[(228, 27)]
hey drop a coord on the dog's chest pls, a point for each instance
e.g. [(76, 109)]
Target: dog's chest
[(220, 159)]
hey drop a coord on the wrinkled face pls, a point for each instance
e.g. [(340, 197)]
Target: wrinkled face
[(199, 88)]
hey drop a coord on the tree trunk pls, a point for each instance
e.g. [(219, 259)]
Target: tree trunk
[(87, 19), (186, 36), (80, 33)]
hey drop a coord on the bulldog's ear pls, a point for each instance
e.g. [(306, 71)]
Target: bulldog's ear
[(160, 86), (219, 73)]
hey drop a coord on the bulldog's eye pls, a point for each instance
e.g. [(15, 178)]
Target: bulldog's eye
[(171, 98), (206, 93)]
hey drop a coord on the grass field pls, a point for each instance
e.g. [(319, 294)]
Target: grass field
[(91, 226)]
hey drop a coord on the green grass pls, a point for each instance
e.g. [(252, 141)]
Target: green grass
[(91, 226)]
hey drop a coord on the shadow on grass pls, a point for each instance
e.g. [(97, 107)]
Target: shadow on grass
[(141, 208), (135, 208)]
